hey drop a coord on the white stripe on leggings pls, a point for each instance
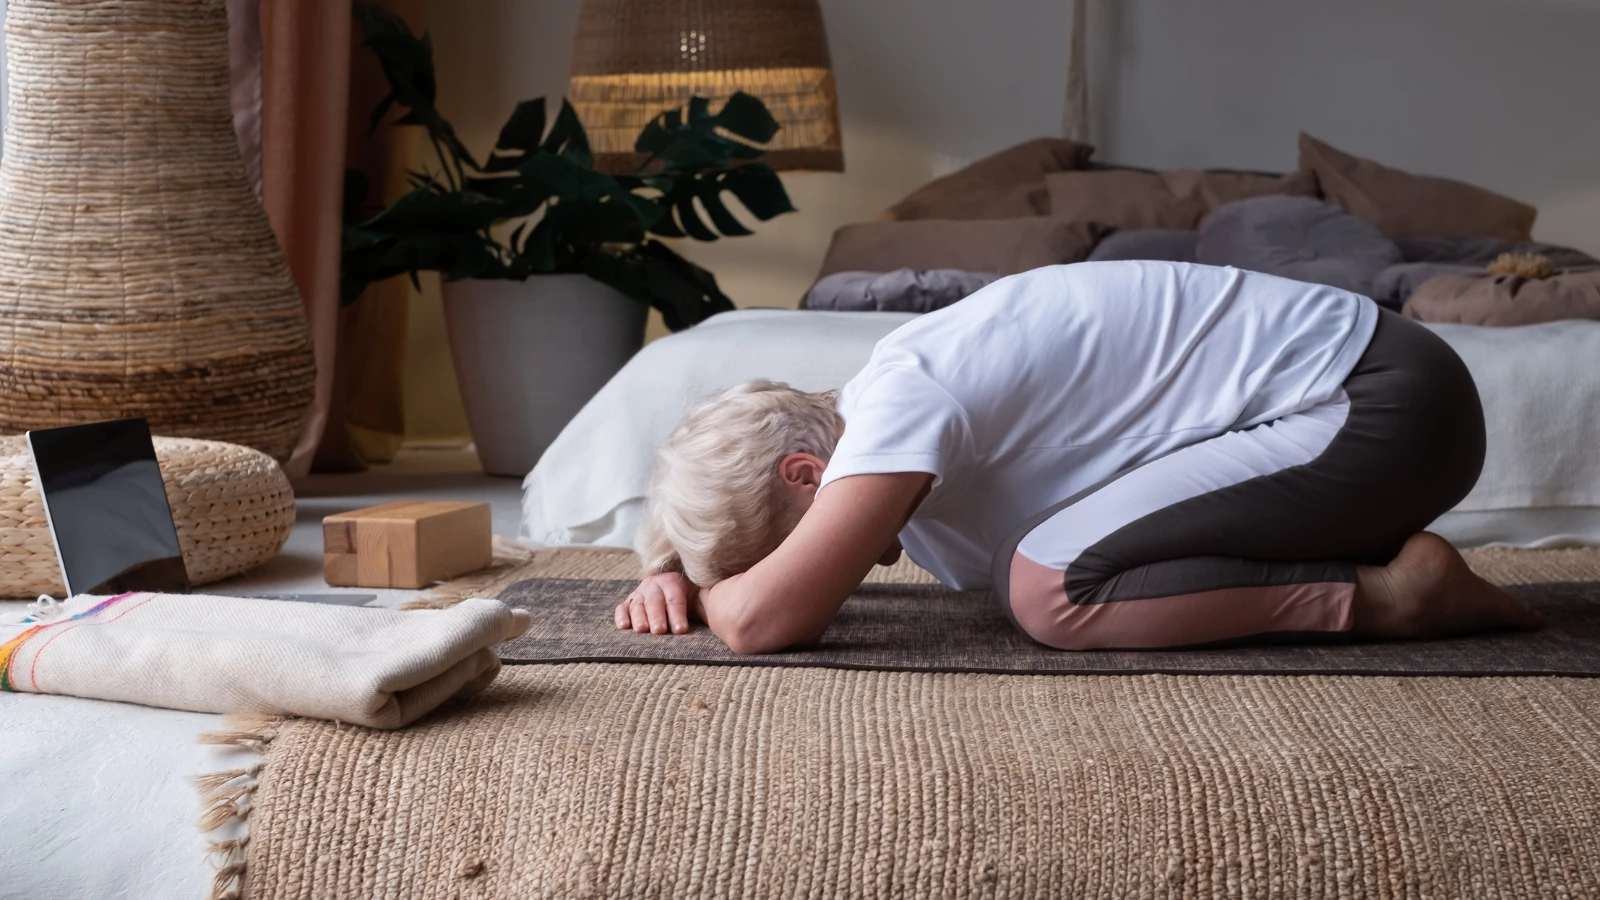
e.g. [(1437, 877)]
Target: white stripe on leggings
[(1222, 461)]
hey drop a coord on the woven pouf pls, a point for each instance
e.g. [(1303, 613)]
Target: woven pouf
[(138, 273), (232, 505)]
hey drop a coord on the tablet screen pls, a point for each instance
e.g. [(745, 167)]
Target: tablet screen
[(107, 508)]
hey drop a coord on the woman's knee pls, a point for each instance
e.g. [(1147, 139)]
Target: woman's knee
[(1035, 597)]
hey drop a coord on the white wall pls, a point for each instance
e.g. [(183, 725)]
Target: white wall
[(1501, 94), (1498, 92)]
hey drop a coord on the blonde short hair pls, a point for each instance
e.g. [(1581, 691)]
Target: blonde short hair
[(716, 503)]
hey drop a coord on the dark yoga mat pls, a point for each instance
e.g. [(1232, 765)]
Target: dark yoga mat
[(927, 628)]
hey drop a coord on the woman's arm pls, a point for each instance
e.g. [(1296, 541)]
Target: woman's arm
[(792, 595)]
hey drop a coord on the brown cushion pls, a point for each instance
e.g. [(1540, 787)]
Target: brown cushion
[(1006, 185), (1001, 246), (1485, 299), (1403, 205), (1183, 198)]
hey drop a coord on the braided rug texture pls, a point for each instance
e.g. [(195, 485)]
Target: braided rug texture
[(589, 781), (644, 781)]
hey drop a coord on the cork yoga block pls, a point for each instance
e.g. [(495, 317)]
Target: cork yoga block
[(409, 544)]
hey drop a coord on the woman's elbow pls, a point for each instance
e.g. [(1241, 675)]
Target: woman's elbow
[(746, 640), (746, 647)]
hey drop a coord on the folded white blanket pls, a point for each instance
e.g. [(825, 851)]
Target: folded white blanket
[(376, 667)]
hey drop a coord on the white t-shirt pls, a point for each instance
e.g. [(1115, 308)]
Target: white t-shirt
[(1045, 383)]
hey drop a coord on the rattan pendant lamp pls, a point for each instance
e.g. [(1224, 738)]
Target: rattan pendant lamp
[(138, 273), (635, 58)]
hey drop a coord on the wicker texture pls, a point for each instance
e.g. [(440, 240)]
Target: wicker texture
[(138, 273), (233, 507), (634, 781), (635, 58)]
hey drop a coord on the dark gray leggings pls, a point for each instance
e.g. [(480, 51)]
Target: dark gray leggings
[(1276, 552)]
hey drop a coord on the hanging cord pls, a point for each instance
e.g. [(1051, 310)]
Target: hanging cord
[(1075, 114)]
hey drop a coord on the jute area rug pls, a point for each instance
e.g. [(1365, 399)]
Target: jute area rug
[(606, 780)]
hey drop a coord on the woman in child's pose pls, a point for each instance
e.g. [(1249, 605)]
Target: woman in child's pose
[(1131, 454)]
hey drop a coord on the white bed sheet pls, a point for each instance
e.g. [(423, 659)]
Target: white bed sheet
[(589, 487), (97, 803), (1540, 386)]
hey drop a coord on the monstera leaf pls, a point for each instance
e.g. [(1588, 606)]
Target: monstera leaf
[(698, 164), (374, 256), (425, 230), (651, 273), (539, 184), (754, 183), (692, 137), (523, 136), (407, 63)]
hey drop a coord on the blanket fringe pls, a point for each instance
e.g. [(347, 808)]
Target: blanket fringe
[(225, 798)]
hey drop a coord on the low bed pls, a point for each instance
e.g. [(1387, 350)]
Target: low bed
[(1540, 486)]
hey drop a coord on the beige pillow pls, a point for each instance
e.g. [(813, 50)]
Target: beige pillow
[(1504, 300), (1403, 205), (1006, 185), (1001, 246), (1183, 198), (1218, 189)]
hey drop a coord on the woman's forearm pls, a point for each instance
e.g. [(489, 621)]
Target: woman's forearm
[(792, 595), (750, 619)]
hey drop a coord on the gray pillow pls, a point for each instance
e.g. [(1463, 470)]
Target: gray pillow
[(902, 290), (1299, 238), (1396, 283), (1163, 244)]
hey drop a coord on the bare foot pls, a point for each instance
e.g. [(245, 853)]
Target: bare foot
[(1428, 591)]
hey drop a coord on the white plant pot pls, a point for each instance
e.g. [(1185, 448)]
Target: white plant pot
[(529, 355)]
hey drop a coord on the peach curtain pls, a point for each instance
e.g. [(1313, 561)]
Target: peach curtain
[(372, 358), (302, 88), (305, 68)]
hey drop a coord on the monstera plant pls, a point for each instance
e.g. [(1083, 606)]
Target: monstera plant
[(549, 264), (535, 205)]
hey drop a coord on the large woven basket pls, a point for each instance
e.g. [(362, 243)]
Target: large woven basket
[(138, 273), (233, 507)]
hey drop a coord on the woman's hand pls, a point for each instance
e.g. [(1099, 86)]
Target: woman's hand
[(661, 604)]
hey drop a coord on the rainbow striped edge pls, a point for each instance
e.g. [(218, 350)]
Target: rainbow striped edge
[(10, 648)]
